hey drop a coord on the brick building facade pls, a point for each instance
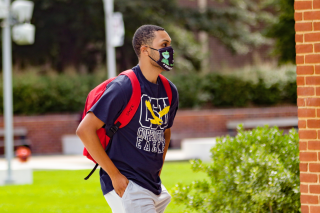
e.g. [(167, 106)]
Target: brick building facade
[(307, 17)]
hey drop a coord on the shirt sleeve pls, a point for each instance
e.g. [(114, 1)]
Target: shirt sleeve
[(175, 105), (113, 101)]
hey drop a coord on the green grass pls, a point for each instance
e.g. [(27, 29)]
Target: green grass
[(66, 191)]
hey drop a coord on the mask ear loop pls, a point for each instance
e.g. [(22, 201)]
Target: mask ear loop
[(150, 56)]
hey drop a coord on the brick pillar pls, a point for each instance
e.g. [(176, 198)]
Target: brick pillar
[(307, 17)]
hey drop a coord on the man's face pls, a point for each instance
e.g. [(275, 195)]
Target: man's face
[(161, 40)]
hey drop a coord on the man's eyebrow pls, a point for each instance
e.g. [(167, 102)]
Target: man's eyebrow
[(165, 40)]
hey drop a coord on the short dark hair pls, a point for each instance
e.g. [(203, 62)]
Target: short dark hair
[(144, 35)]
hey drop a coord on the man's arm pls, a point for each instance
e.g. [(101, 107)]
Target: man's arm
[(87, 132), (167, 136)]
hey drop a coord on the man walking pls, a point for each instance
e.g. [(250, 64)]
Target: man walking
[(131, 166)]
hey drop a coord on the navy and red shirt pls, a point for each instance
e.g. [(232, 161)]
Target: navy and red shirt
[(137, 149)]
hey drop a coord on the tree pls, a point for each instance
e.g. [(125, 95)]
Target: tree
[(283, 32), (72, 32)]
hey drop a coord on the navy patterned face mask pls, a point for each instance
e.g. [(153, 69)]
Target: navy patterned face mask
[(166, 58)]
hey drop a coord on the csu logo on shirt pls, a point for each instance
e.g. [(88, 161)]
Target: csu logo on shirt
[(154, 112)]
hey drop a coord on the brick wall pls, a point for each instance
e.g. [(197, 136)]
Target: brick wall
[(45, 132), (307, 17)]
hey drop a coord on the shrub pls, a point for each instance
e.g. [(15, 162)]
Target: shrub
[(226, 91), (38, 94), (189, 88), (33, 94), (255, 171)]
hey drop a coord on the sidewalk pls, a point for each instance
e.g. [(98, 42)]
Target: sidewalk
[(69, 162)]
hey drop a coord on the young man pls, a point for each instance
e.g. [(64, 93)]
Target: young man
[(131, 166)]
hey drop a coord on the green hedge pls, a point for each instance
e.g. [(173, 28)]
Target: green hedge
[(231, 91), (37, 94), (34, 94), (255, 171)]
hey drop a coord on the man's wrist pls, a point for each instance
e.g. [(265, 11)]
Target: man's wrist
[(113, 175)]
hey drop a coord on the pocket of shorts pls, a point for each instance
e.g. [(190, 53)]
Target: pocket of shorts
[(125, 191)]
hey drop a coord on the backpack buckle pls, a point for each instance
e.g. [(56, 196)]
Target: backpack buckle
[(113, 129)]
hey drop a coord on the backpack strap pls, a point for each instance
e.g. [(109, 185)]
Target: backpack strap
[(128, 112), (167, 87), (132, 106)]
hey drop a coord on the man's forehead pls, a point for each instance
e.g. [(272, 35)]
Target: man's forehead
[(162, 35)]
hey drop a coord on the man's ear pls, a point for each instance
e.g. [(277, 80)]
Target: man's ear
[(144, 50)]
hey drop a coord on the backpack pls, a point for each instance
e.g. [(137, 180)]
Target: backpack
[(125, 116)]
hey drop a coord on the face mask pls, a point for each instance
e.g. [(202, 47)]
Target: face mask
[(166, 58)]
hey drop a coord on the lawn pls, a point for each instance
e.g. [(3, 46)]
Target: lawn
[(66, 191)]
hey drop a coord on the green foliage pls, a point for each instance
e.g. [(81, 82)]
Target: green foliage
[(39, 94), (72, 32), (232, 91), (189, 88), (34, 94), (227, 90), (283, 31), (255, 171)]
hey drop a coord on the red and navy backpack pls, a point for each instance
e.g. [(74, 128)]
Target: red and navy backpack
[(126, 115)]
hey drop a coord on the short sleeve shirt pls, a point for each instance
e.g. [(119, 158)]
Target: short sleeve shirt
[(137, 149)]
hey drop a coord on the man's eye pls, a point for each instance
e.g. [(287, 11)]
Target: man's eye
[(165, 44)]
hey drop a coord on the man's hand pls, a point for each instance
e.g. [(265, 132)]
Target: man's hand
[(87, 132), (167, 136), (120, 183)]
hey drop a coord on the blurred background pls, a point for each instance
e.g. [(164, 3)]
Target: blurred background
[(234, 64), (237, 56)]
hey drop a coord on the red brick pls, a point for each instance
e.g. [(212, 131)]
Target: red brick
[(305, 91), (313, 102), (313, 123), (313, 209), (311, 199), (316, 48), (300, 80), (301, 101), (313, 80), (312, 58), (314, 145), (302, 5), (303, 188), (311, 15), (318, 91), (299, 38), (314, 167), (303, 167), (316, 26), (299, 59), (304, 209), (297, 16), (317, 69), (310, 37), (316, 5), (315, 189), (308, 156), (302, 145), (304, 26), (302, 124), (306, 113), (305, 70)]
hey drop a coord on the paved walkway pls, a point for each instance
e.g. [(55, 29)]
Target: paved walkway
[(69, 162)]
